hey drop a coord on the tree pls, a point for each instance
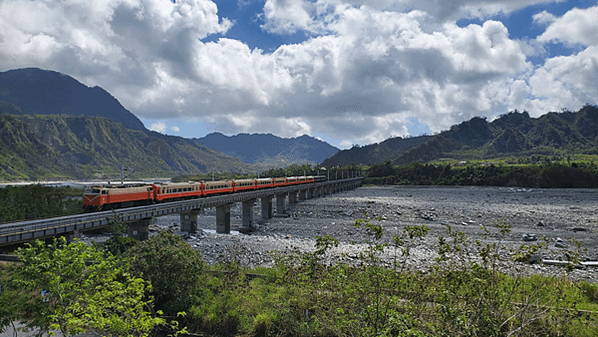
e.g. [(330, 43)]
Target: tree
[(10, 298), (75, 288), (173, 268)]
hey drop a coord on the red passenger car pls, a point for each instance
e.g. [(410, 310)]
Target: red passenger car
[(276, 182), (217, 187), (264, 183), (178, 191), (244, 184)]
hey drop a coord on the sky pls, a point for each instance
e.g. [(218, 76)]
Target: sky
[(348, 72)]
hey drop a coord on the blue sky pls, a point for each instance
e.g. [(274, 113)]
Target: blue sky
[(346, 71)]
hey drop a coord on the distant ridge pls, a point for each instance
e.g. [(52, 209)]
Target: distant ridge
[(267, 150), (43, 92), (375, 153), (512, 134)]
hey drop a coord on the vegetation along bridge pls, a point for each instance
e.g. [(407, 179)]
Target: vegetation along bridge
[(139, 218)]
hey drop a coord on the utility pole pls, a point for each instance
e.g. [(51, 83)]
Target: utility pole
[(122, 175)]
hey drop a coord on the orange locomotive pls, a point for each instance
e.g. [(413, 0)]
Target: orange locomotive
[(120, 196)]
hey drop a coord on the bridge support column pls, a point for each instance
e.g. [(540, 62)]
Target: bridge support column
[(302, 195), (71, 236), (247, 219), (189, 221), (223, 219), (139, 230), (266, 208), (280, 208), (293, 198)]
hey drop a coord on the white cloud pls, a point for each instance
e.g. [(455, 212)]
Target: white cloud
[(368, 69), (289, 16), (158, 127), (175, 128), (578, 26), (567, 81), (544, 18)]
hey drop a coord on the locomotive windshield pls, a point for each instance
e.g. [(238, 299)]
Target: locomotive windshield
[(92, 191)]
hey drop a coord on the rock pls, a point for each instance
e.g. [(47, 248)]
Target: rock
[(578, 229), (529, 237), (540, 224), (534, 259), (560, 245)]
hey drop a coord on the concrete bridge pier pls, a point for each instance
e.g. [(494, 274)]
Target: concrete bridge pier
[(280, 207), (302, 195), (292, 197), (247, 218), (139, 230), (266, 208), (189, 220), (71, 236), (223, 219)]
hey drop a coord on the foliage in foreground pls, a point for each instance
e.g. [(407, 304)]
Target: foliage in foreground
[(74, 288), (463, 294), (173, 268)]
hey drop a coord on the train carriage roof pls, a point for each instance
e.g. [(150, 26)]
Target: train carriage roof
[(219, 182), (242, 181)]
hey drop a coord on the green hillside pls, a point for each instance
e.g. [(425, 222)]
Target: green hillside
[(514, 134), (67, 147)]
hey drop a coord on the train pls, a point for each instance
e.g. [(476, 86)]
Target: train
[(104, 197)]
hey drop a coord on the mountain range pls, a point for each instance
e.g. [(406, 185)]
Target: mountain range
[(54, 127), (67, 147), (512, 134), (269, 151)]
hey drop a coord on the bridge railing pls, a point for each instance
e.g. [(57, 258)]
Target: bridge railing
[(58, 225)]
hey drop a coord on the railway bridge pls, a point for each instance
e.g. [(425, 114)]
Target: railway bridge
[(139, 218)]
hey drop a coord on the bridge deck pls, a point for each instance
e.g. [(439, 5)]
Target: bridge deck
[(36, 229)]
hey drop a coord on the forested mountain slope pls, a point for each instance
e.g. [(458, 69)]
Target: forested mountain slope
[(67, 147), (43, 92), (512, 134)]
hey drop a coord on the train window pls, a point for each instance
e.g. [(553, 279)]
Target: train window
[(104, 192)]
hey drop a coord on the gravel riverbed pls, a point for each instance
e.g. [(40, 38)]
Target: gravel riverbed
[(556, 216)]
